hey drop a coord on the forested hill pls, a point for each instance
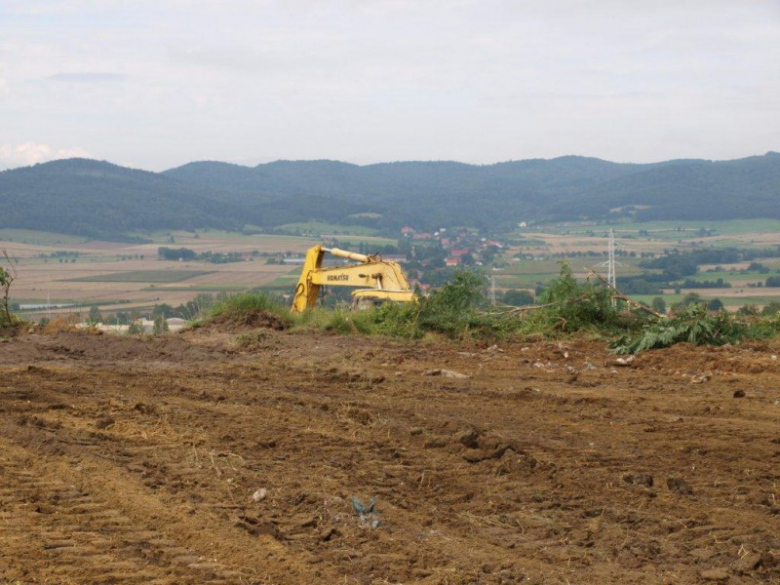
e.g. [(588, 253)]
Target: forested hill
[(426, 194), (100, 199), (103, 200), (687, 190)]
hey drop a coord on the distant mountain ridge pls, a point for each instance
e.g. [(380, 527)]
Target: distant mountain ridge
[(100, 199)]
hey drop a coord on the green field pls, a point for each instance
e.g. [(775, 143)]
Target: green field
[(196, 288), (279, 241), (317, 228), (729, 300), (179, 236), (151, 276), (761, 300), (37, 238), (527, 273), (671, 229), (283, 282), (730, 276), (513, 274), (351, 242), (670, 299)]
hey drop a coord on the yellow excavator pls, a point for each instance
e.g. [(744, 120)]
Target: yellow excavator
[(383, 280)]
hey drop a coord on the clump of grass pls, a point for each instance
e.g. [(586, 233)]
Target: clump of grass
[(250, 310), (346, 322), (60, 324), (341, 321), (256, 339)]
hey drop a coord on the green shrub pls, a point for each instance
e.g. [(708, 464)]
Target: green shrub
[(453, 310), (574, 306)]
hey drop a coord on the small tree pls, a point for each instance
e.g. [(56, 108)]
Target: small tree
[(771, 309), (748, 311), (518, 298), (691, 298), (160, 325), (574, 306), (452, 309), (7, 276), (659, 305), (94, 315), (135, 329), (164, 310)]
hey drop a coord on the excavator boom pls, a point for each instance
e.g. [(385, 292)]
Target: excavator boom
[(379, 279)]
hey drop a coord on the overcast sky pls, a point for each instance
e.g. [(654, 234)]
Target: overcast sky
[(156, 84)]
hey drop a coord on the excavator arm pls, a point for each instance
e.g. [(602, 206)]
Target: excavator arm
[(378, 279)]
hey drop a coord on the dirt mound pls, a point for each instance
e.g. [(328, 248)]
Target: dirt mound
[(101, 348), (256, 319), (12, 330)]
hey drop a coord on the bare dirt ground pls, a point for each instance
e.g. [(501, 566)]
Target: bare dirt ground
[(136, 462)]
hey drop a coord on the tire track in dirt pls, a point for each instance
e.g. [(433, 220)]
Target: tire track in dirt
[(348, 460), (671, 450), (57, 532), (53, 434), (178, 449)]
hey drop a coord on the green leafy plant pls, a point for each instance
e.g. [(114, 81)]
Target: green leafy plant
[(453, 309), (569, 306), (694, 324)]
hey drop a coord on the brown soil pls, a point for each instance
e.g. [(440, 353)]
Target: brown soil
[(247, 321), (129, 461)]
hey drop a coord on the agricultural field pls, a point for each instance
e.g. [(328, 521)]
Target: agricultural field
[(527, 273), (148, 276), (126, 276), (315, 227), (121, 276), (245, 456), (585, 248), (743, 230)]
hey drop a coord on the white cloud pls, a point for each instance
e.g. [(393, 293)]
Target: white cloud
[(30, 153), (162, 82), (86, 77), (73, 152)]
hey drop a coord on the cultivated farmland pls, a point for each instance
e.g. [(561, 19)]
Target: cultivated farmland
[(68, 269)]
